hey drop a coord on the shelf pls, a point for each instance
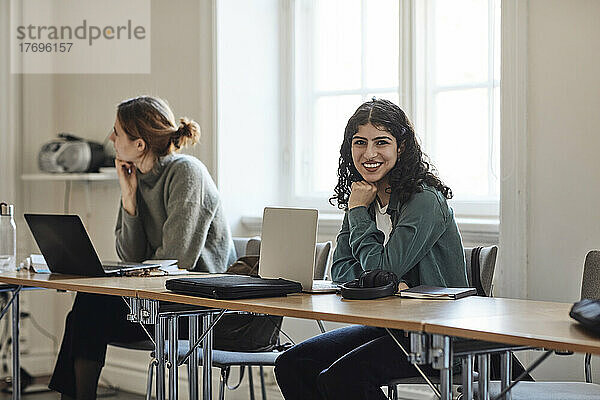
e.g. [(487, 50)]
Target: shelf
[(92, 176)]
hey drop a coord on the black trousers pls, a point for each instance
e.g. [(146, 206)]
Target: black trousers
[(348, 363), (93, 322), (97, 320)]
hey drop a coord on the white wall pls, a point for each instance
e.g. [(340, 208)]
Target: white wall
[(564, 166), (248, 104), (10, 95), (85, 105)]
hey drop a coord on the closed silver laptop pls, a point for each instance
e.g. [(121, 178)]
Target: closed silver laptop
[(288, 245)]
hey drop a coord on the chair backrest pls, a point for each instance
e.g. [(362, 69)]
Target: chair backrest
[(240, 244), (251, 246), (487, 265), (322, 256), (590, 284), (590, 289)]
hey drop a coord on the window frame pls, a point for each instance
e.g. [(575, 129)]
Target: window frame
[(485, 207), (466, 208)]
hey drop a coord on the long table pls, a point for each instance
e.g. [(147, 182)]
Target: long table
[(328, 307), (516, 322), (534, 324)]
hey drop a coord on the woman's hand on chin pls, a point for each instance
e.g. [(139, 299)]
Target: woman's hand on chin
[(361, 194), (126, 172)]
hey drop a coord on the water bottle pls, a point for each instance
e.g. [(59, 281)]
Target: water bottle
[(8, 238)]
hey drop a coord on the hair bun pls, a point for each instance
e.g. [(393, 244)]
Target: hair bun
[(186, 127), (187, 133)]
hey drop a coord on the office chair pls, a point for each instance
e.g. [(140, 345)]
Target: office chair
[(487, 265), (227, 359), (590, 289)]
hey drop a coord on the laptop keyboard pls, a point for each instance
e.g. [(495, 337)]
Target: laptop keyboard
[(324, 285), (111, 267)]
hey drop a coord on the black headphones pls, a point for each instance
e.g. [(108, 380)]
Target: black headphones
[(371, 284)]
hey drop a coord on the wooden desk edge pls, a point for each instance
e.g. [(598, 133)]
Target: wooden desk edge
[(68, 285), (283, 311), (509, 339)]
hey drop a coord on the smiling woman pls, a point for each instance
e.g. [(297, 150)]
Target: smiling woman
[(381, 147), (397, 220), (372, 148)]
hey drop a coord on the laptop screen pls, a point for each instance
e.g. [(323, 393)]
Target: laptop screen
[(65, 244)]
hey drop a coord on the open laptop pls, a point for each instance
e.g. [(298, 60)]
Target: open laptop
[(288, 245), (67, 248)]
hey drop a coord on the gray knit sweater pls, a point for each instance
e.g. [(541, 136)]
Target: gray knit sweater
[(179, 216)]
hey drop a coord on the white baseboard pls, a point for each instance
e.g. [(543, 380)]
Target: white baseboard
[(38, 363)]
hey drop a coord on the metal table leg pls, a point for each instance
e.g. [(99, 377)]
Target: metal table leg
[(467, 377), (207, 345), (527, 371), (505, 367), (173, 339), (419, 351), (441, 358), (194, 360), (16, 373), (159, 351), (484, 376)]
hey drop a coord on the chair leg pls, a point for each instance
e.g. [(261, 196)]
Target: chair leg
[(588, 368), (392, 392), (224, 375), (263, 390), (250, 382), (153, 362)]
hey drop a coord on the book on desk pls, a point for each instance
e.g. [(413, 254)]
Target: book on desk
[(437, 292)]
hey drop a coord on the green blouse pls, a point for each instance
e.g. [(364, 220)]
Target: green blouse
[(424, 248)]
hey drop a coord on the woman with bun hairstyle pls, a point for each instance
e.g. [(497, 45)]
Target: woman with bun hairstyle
[(396, 219), (170, 209)]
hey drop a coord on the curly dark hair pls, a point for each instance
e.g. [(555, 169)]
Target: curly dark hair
[(412, 168)]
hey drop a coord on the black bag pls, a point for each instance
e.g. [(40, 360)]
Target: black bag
[(233, 287), (587, 313), (247, 332), (240, 332), (235, 331)]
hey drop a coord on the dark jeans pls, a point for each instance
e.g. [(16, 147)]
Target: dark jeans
[(347, 363), (93, 322)]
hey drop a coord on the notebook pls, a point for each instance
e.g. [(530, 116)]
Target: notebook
[(288, 245), (67, 248), (436, 292)]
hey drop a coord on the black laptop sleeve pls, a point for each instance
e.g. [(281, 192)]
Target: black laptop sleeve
[(233, 287)]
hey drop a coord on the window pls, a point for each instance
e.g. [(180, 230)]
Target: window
[(457, 97), (336, 42), (343, 52)]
